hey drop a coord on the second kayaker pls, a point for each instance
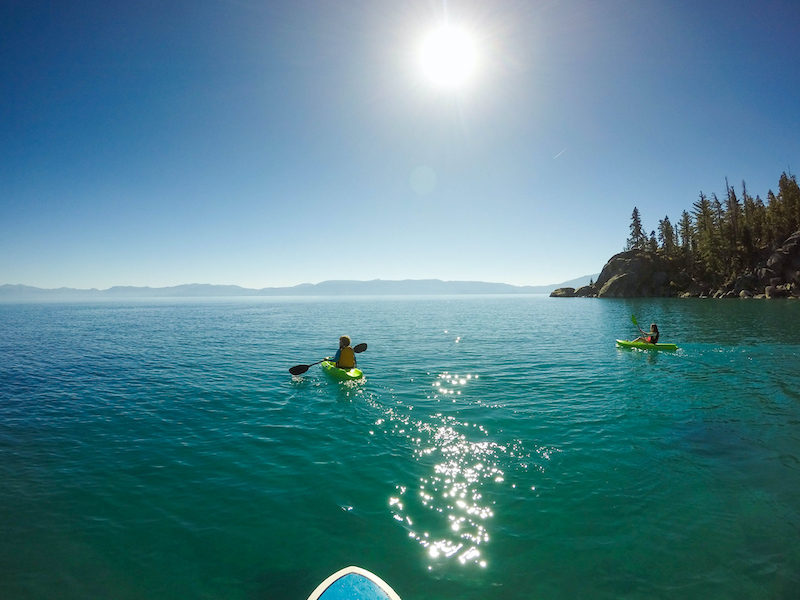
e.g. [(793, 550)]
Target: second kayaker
[(649, 338)]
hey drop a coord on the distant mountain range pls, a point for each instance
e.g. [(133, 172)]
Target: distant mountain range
[(376, 287)]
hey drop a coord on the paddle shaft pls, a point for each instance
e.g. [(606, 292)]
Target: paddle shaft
[(633, 318)]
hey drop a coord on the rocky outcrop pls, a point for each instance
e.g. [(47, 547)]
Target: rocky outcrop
[(638, 273), (565, 292), (585, 291), (633, 274), (777, 277), (629, 274)]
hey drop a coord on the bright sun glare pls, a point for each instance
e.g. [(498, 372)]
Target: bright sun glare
[(448, 57)]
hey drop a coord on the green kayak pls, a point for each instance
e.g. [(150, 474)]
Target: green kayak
[(345, 374), (645, 345)]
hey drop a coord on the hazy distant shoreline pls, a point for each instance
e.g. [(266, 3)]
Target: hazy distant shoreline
[(376, 287)]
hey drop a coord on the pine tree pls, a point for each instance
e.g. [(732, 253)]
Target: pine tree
[(789, 193), (666, 235), (686, 232), (731, 229), (774, 218), (722, 245), (760, 224), (707, 238), (748, 233), (688, 241), (638, 239)]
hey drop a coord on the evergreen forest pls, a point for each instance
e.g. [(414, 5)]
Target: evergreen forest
[(720, 239)]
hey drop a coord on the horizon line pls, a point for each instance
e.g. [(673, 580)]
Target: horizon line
[(289, 287)]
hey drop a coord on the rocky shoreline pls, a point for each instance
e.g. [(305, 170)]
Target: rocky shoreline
[(643, 273)]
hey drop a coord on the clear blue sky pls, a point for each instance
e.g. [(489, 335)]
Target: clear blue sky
[(271, 143)]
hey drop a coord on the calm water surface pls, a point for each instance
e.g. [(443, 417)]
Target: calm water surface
[(499, 448)]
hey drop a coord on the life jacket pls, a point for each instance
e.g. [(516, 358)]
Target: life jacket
[(347, 358)]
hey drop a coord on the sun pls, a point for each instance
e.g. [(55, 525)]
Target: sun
[(448, 57)]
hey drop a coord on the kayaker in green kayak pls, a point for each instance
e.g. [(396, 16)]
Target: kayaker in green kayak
[(345, 357), (648, 338)]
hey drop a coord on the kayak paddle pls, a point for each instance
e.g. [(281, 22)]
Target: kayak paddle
[(300, 369), (633, 318)]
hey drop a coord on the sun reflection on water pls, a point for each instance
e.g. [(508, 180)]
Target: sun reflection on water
[(450, 510), (448, 383)]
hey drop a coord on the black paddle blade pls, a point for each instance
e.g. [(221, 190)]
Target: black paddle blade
[(358, 348), (298, 369)]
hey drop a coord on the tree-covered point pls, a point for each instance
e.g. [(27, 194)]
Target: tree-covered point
[(719, 240)]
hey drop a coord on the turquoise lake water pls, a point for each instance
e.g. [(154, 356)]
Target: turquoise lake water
[(499, 448)]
